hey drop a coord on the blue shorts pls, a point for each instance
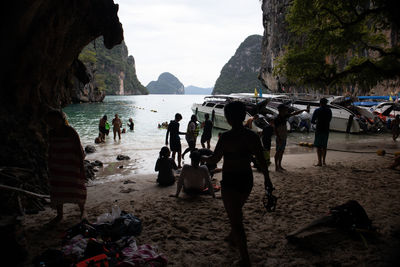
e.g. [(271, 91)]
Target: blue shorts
[(280, 145)]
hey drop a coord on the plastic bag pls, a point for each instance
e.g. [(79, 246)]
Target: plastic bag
[(105, 218)]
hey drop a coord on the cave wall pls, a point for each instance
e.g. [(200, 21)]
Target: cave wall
[(41, 40)]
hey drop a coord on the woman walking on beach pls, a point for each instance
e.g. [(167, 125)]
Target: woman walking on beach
[(65, 162), (174, 139), (237, 147)]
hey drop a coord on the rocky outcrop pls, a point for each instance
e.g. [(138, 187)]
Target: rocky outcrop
[(41, 43), (275, 38), (240, 74), (87, 92), (114, 69), (166, 84)]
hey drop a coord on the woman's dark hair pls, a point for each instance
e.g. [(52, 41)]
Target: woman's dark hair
[(206, 116), (235, 112), (164, 152), (193, 118), (104, 117)]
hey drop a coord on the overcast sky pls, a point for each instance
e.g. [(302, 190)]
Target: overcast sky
[(192, 39)]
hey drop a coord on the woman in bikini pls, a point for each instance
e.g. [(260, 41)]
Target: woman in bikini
[(237, 147)]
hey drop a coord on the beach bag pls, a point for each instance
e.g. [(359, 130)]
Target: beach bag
[(83, 228), (126, 225), (351, 216)]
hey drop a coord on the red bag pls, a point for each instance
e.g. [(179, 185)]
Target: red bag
[(96, 261)]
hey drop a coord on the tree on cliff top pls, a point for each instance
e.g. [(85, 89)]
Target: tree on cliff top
[(336, 43)]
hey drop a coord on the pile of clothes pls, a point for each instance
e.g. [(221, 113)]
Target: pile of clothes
[(103, 244)]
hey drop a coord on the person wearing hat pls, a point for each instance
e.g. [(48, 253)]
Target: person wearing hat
[(281, 132), (322, 117), (195, 178)]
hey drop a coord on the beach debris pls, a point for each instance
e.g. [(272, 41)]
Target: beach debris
[(129, 182), (90, 149), (127, 190), (97, 163), (120, 167), (381, 152), (122, 157), (349, 216)]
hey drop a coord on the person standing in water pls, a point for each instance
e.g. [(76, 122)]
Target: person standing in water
[(102, 129), (191, 135), (237, 147), (66, 170), (174, 139), (131, 124), (207, 126), (116, 122), (322, 117)]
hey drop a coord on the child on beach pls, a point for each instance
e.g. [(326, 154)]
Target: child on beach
[(237, 147), (102, 129), (116, 122), (164, 166), (174, 139), (281, 133)]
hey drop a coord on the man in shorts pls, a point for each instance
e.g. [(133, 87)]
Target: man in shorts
[(322, 117), (281, 133)]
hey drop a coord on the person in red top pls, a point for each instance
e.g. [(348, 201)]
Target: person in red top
[(65, 163)]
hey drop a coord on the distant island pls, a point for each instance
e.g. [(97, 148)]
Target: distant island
[(166, 84), (194, 90), (240, 74)]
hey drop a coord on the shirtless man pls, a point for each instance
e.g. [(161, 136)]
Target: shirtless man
[(116, 122), (237, 147)]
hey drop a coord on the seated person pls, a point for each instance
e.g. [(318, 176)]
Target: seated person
[(164, 166), (212, 167), (194, 178)]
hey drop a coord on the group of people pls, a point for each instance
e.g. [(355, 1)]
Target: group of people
[(239, 147), (104, 128)]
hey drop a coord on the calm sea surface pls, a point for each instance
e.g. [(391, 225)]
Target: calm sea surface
[(143, 144)]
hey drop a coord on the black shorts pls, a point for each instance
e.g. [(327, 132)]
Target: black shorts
[(103, 130), (175, 145), (238, 181), (205, 138)]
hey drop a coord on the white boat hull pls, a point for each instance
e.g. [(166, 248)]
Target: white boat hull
[(340, 119)]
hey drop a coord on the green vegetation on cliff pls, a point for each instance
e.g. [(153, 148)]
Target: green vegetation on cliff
[(240, 74), (111, 66), (340, 43)]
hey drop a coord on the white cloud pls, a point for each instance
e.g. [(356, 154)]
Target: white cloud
[(191, 39)]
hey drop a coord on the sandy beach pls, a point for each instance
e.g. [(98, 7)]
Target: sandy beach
[(191, 231)]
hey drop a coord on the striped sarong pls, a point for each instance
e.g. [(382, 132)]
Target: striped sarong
[(66, 172)]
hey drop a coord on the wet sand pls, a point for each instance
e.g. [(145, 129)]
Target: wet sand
[(191, 231)]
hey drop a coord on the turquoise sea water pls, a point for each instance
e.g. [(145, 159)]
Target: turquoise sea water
[(143, 144)]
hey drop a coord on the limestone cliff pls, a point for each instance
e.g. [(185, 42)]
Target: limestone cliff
[(239, 75), (41, 43), (114, 70), (275, 38), (166, 84)]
